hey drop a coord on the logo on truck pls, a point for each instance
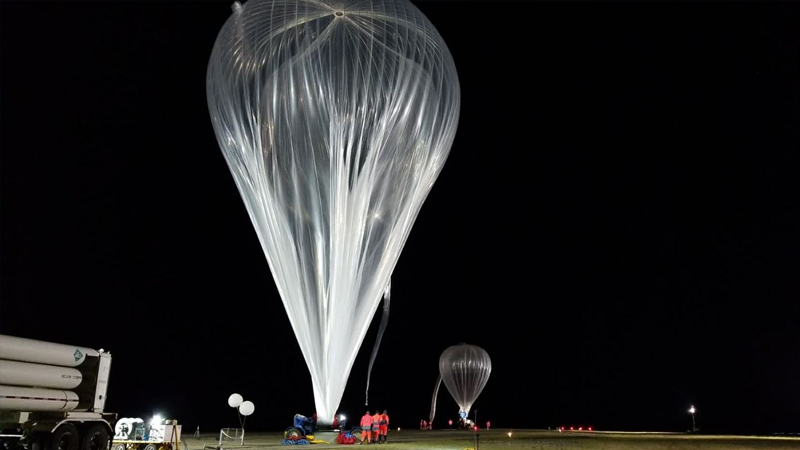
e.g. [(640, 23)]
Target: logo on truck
[(78, 355)]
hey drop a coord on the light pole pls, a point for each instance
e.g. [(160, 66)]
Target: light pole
[(692, 410)]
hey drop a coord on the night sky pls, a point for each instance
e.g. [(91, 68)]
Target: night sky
[(618, 223)]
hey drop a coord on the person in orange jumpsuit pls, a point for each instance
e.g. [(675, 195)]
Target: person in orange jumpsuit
[(376, 426), (384, 426), (366, 428)]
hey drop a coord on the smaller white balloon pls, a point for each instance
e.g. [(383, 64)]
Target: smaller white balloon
[(235, 400), (247, 408)]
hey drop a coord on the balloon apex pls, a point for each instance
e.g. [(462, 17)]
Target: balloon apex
[(236, 6), (339, 13)]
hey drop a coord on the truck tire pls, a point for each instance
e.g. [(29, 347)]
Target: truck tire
[(65, 438), (151, 447), (39, 441), (120, 447), (96, 438)]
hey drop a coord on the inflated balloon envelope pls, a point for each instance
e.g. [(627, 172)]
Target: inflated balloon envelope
[(465, 369), (335, 118)]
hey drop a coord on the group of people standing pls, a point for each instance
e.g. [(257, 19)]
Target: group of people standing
[(375, 427)]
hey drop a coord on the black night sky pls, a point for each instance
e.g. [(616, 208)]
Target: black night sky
[(618, 223)]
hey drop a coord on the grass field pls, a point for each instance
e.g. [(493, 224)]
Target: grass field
[(529, 439)]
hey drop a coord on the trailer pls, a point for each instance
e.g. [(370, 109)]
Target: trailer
[(52, 396)]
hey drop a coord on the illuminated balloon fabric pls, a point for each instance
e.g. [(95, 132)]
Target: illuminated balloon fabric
[(335, 118), (465, 369)]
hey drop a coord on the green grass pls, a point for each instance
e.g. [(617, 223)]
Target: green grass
[(533, 440)]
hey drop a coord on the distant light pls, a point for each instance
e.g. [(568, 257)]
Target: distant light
[(590, 428), (509, 434), (692, 410), (476, 428), (398, 428), (571, 428), (580, 428), (156, 420), (342, 418), (562, 428)]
